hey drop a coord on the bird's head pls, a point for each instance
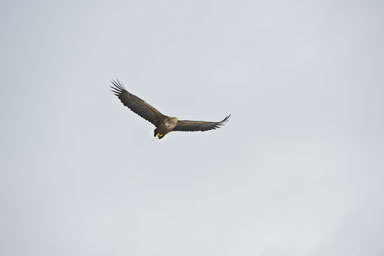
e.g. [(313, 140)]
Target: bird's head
[(159, 135)]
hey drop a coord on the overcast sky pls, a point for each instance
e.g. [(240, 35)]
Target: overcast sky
[(298, 170)]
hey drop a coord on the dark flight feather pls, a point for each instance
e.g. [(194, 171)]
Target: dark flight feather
[(192, 126), (136, 104)]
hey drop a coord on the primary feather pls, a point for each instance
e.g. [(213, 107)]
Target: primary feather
[(192, 126), (136, 104)]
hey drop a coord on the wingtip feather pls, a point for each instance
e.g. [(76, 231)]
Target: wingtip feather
[(117, 87), (224, 120)]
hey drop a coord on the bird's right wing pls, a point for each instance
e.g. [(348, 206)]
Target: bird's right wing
[(193, 126), (136, 104)]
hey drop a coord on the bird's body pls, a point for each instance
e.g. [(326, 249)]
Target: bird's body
[(164, 124)]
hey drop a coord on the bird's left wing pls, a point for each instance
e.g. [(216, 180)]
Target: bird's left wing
[(193, 126), (136, 104)]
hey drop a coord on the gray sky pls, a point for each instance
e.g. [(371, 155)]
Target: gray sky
[(298, 170)]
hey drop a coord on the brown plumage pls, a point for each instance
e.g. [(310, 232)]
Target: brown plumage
[(164, 124)]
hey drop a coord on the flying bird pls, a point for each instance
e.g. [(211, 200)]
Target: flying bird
[(164, 124)]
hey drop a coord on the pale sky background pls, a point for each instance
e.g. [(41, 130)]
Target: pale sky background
[(298, 170)]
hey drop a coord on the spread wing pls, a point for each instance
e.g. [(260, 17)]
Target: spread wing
[(136, 104), (192, 126)]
